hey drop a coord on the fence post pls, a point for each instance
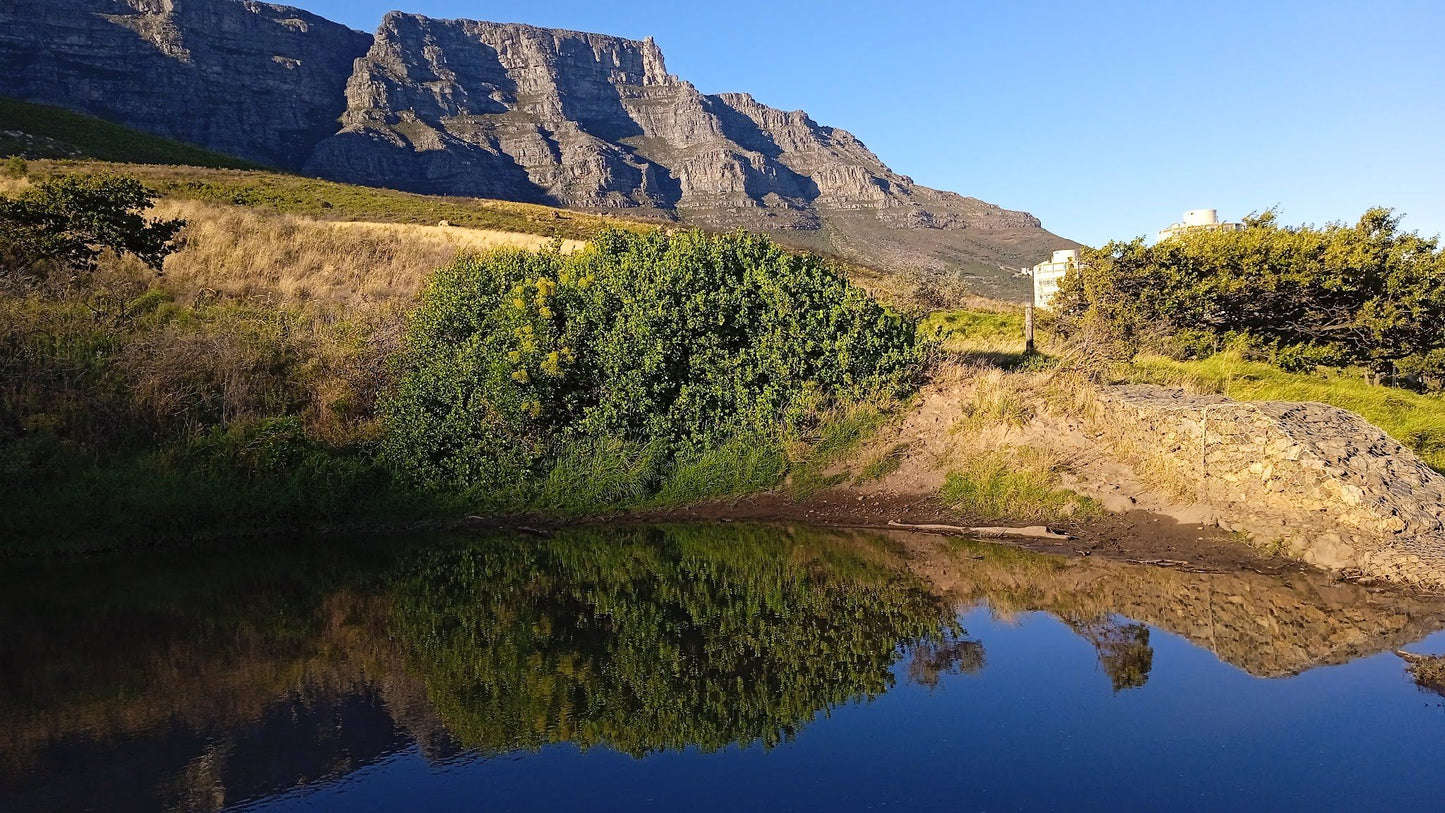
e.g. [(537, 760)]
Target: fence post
[(1028, 330)]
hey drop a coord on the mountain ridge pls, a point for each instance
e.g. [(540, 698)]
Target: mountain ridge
[(502, 110)]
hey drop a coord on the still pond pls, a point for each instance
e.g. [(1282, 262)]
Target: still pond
[(704, 667)]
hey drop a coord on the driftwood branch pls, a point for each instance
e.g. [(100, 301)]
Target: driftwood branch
[(1027, 531)]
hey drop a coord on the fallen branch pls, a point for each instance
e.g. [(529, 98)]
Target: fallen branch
[(1027, 531)]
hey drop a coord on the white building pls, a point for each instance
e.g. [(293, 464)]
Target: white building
[(1199, 220), (1048, 274)]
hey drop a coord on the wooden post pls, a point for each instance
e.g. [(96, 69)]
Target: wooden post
[(1028, 330)]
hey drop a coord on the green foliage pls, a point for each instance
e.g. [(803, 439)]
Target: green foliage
[(742, 465), (667, 346), (59, 228), (50, 132), (16, 167), (975, 332), (1364, 294), (655, 638), (1426, 370), (175, 422)]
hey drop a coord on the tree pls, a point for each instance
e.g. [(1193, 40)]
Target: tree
[(1365, 294), (57, 230)]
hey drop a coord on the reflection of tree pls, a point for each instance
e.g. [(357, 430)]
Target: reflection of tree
[(654, 639), (932, 659), (1124, 651)]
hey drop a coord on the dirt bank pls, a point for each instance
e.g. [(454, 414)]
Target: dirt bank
[(1053, 427)]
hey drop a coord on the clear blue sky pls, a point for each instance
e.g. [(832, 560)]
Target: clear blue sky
[(1106, 119)]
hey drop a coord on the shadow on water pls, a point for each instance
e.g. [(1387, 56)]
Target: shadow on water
[(202, 681)]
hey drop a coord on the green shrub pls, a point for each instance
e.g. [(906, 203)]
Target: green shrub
[(1366, 294), (671, 343), (56, 230)]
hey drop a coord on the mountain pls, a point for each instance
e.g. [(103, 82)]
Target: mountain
[(461, 107)]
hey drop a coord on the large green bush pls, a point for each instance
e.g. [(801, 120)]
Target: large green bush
[(653, 348), (1366, 294)]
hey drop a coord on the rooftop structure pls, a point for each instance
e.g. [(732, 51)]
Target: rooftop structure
[(1198, 220), (1047, 276)]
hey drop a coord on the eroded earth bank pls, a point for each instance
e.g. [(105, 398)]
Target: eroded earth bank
[(1164, 475)]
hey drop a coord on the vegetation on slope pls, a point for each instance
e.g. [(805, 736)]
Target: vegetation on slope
[(38, 131), (1366, 294), (646, 370), (311, 197)]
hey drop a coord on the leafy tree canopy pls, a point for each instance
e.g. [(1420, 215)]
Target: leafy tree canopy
[(60, 227), (1363, 294)]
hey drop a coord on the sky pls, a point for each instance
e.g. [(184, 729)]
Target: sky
[(1106, 119)]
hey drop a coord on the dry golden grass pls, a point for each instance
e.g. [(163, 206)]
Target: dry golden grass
[(245, 253)]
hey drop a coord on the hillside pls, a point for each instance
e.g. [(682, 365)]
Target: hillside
[(458, 107), (40, 131)]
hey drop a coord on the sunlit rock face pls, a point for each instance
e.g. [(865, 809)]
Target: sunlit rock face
[(509, 111)]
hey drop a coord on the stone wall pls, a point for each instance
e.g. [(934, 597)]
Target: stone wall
[(1318, 481)]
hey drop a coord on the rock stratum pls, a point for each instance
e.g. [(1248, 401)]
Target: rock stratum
[(510, 111)]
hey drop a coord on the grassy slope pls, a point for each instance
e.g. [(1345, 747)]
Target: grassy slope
[(87, 144), (1417, 421), (311, 197), (50, 132)]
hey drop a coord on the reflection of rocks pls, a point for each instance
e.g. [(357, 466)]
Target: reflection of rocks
[(1267, 625), (217, 682), (1428, 671)]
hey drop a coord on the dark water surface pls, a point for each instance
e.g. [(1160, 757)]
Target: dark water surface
[(714, 667)]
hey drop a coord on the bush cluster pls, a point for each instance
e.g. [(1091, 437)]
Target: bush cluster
[(644, 350), (1367, 294)]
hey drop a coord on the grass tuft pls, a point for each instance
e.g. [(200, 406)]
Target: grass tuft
[(1013, 485)]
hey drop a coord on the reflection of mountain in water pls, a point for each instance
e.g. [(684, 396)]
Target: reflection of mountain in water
[(200, 684)]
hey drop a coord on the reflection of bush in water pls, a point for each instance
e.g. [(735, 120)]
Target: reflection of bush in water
[(1124, 650), (655, 639), (1428, 671), (933, 659)]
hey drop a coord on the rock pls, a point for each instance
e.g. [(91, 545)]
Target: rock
[(1328, 486), (509, 111), (250, 79)]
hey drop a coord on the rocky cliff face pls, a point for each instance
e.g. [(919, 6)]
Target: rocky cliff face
[(253, 80), (499, 110)]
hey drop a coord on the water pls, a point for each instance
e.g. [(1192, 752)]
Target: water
[(704, 668)]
